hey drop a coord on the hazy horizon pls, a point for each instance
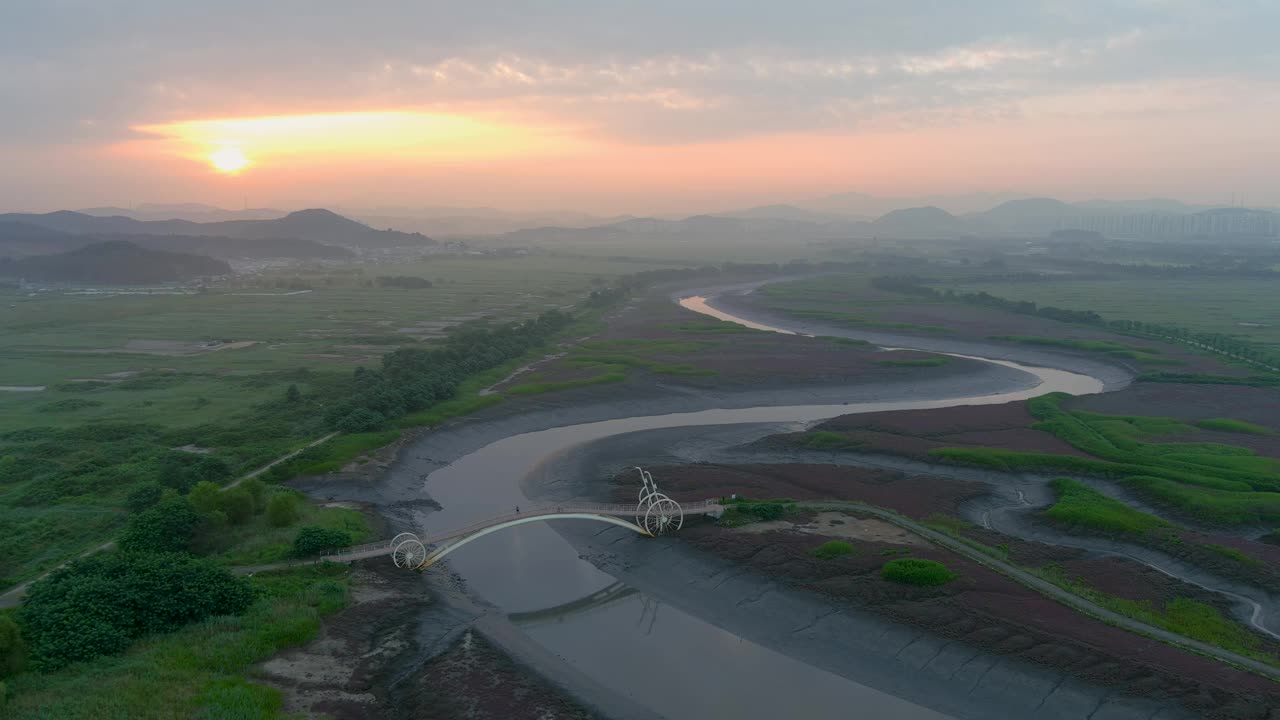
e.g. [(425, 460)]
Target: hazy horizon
[(655, 109)]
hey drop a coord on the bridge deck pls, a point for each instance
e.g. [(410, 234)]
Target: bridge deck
[(382, 547)]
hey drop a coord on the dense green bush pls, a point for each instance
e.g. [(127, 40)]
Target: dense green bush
[(832, 549), (361, 420), (167, 527), (144, 496), (181, 470), (312, 540), (13, 652), (100, 604), (1272, 537), (413, 379), (282, 509), (917, 571)]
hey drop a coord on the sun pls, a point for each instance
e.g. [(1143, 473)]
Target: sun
[(228, 159)]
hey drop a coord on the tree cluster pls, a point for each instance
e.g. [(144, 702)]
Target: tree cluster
[(413, 379), (911, 285), (100, 604)]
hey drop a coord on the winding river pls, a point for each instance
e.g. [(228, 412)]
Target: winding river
[(690, 655)]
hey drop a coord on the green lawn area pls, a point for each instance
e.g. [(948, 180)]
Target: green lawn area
[(1080, 506), (1201, 305)]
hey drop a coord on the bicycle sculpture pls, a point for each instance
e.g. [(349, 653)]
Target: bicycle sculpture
[(656, 513), (407, 551)]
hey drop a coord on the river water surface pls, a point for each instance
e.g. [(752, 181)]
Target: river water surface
[(674, 664)]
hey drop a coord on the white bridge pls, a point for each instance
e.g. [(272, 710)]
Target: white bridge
[(654, 514)]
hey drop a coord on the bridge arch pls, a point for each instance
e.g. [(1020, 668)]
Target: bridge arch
[(435, 555)]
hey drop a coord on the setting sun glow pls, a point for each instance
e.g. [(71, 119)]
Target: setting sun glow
[(228, 159), (297, 141)]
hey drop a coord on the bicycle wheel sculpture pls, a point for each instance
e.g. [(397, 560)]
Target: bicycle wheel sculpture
[(663, 516), (656, 512), (409, 552), (401, 538)]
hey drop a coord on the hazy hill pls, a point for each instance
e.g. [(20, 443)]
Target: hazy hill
[(20, 239), (114, 263), (790, 212), (928, 222), (195, 212), (470, 221), (320, 226), (854, 203), (229, 248)]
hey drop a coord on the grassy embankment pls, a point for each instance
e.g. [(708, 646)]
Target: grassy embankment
[(611, 361), (1210, 482), (1245, 307), (1146, 355), (1079, 507), (837, 300), (1184, 616), (196, 672)]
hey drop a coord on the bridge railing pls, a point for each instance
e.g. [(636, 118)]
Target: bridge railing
[(599, 508)]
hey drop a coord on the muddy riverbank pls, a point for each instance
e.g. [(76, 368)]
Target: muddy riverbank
[(471, 469)]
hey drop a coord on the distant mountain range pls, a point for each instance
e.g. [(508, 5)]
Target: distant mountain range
[(306, 234), (1022, 217), (195, 212), (117, 262)]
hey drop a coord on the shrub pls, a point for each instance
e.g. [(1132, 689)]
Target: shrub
[(98, 605), (769, 510), (312, 540), (282, 509), (205, 496), (237, 503), (167, 527), (13, 653), (258, 491), (916, 571), (181, 471), (832, 549), (361, 420), (1272, 537), (144, 496)]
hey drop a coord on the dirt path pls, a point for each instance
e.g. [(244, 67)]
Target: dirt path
[(282, 458)]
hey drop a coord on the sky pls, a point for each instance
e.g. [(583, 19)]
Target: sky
[(655, 106)]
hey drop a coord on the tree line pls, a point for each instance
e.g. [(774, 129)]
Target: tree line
[(1230, 346)]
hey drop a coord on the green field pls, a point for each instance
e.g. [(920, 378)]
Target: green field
[(63, 478), (1215, 305)]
